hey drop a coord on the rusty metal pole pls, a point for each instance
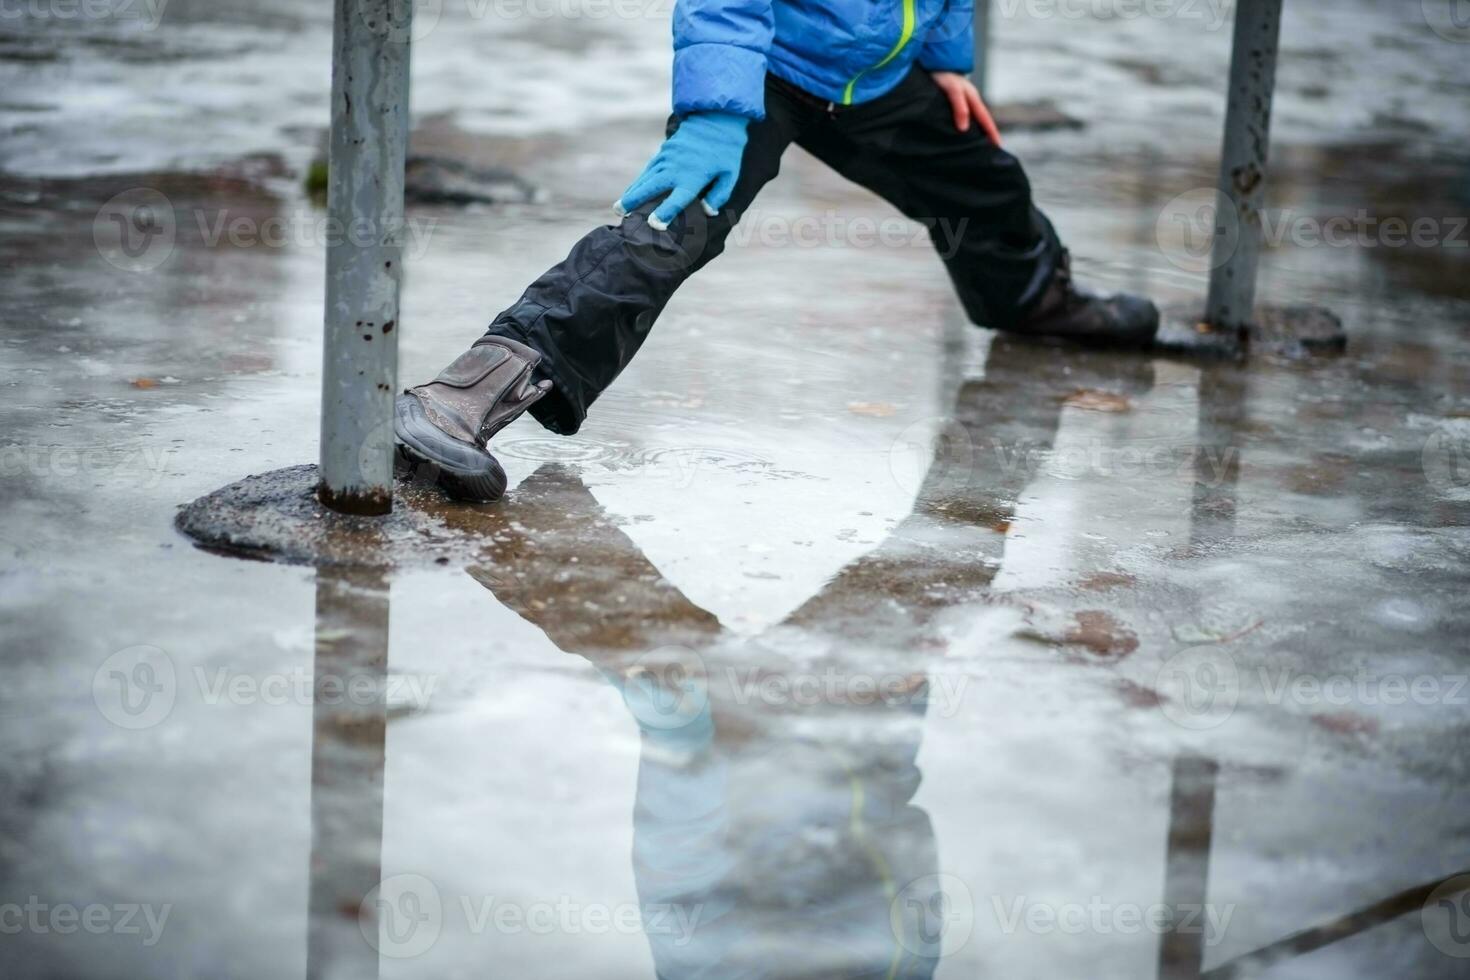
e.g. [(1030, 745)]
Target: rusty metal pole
[(369, 139), (1232, 297), (980, 75)]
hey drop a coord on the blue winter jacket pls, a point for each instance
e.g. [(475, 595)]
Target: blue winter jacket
[(845, 51)]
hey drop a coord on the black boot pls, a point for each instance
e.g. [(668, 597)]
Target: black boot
[(1065, 311), (446, 423)]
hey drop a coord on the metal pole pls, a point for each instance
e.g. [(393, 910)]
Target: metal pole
[(981, 73), (1243, 163), (370, 53)]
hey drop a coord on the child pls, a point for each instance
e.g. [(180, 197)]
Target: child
[(874, 88)]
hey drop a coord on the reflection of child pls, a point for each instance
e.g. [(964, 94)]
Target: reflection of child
[(874, 89)]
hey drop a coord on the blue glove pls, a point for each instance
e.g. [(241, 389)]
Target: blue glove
[(704, 150)]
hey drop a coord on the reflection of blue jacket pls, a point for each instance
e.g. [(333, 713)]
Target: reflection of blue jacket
[(846, 51)]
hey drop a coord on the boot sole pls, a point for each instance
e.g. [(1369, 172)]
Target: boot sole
[(463, 471)]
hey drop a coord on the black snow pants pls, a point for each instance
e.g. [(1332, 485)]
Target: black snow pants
[(589, 314)]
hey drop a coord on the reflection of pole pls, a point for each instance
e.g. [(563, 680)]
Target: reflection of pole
[(364, 253), (981, 73), (349, 726), (1187, 867), (1336, 930), (1243, 163), (1223, 404)]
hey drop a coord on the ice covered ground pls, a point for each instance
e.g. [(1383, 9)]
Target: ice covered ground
[(170, 84)]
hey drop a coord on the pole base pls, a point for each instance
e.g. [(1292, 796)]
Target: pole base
[(277, 517), (1279, 331), (375, 503)]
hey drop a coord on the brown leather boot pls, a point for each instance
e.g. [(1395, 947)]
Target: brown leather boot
[(446, 423), (1084, 317)]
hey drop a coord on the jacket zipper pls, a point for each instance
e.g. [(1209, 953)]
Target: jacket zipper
[(905, 36)]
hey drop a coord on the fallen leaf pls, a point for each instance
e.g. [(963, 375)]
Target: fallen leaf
[(1102, 581), (143, 383), (1092, 400), (1138, 696), (1346, 723), (1101, 634)]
